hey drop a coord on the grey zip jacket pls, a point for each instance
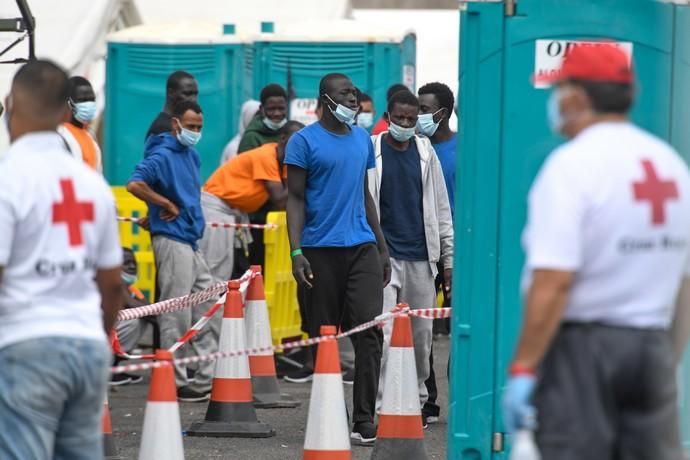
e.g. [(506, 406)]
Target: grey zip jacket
[(438, 223)]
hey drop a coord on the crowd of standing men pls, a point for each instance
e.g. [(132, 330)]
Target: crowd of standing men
[(370, 226)]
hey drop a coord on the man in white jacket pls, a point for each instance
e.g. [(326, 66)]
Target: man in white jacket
[(410, 194)]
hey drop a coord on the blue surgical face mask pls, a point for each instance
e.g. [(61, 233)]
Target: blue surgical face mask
[(342, 113), (85, 111), (274, 125), (128, 278), (553, 111), (426, 125), (188, 137), (399, 133), (365, 120)]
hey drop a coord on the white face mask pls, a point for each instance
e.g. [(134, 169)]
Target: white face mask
[(399, 133), (342, 113), (365, 120), (274, 125), (426, 125)]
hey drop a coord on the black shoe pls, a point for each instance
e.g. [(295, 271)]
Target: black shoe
[(431, 412), (135, 378), (186, 394), (425, 424), (303, 375), (191, 375), (364, 434), (120, 379), (349, 377)]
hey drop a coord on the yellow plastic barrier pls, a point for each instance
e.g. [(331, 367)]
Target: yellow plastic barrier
[(280, 286), (136, 238)]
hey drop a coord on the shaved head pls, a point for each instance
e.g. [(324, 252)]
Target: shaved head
[(329, 82), (38, 98)]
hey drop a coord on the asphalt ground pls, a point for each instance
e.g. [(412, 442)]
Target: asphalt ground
[(127, 405)]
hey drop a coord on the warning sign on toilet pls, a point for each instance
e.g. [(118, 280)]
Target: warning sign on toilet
[(549, 54)]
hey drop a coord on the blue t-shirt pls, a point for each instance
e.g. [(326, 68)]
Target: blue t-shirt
[(446, 151), (172, 170), (335, 215), (400, 201)]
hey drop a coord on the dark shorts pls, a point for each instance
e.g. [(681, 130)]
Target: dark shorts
[(608, 393)]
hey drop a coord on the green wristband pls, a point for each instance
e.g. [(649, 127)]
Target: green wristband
[(296, 252)]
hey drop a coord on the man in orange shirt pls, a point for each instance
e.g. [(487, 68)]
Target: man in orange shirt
[(240, 186), (82, 101)]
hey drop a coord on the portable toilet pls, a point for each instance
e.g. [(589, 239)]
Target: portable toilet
[(138, 64), (297, 55), (504, 138)]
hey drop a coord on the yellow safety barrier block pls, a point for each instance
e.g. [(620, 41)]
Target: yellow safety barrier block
[(137, 239), (280, 286)]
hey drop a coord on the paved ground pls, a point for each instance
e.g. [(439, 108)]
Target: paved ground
[(127, 409)]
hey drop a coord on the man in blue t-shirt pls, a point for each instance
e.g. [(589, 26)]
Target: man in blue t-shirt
[(436, 104), (409, 188), (167, 179), (339, 256)]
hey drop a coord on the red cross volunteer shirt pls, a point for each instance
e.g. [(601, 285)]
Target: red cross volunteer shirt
[(57, 227), (613, 205)]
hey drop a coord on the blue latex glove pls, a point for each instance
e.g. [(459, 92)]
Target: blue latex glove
[(517, 410)]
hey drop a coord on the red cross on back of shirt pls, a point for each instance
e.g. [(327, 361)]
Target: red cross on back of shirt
[(655, 191), (72, 212)]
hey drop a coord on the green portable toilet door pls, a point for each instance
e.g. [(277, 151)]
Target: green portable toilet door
[(532, 37), (504, 141)]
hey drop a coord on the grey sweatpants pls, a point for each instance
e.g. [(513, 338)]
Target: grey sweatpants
[(181, 271), (411, 283), (129, 332), (218, 244)]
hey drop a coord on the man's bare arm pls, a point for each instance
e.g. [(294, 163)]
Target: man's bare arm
[(680, 328), (110, 286), (546, 301)]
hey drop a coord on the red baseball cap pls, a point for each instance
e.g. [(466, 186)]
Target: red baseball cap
[(596, 62)]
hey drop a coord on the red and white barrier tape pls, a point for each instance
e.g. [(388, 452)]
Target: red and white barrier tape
[(424, 313), (135, 220), (179, 303)]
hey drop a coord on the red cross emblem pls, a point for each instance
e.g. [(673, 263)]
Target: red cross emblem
[(72, 212), (656, 191)]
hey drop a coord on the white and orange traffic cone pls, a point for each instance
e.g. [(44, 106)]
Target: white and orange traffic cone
[(262, 364), (109, 448), (400, 435), (327, 436), (162, 435), (231, 411)]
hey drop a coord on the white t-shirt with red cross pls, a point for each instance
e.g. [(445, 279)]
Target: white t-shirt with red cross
[(613, 205), (57, 227)]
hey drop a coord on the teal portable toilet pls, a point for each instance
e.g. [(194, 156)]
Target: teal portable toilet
[(504, 139), (138, 64), (297, 55)]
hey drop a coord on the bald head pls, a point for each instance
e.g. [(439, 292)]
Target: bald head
[(38, 98)]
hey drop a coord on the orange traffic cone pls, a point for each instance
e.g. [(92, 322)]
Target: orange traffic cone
[(327, 436), (109, 448), (162, 435), (231, 412), (261, 363), (400, 434)]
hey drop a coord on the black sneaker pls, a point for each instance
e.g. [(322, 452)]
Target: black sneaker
[(349, 377), (364, 434), (186, 394), (425, 424), (303, 375), (120, 379), (431, 412)]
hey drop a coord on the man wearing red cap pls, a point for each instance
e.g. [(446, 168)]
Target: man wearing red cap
[(607, 287)]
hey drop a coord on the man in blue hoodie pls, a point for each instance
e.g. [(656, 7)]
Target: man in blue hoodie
[(168, 181)]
